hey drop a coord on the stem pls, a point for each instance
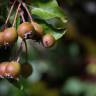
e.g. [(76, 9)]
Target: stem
[(22, 15), (26, 50), (24, 5), (18, 52), (16, 14), (10, 12)]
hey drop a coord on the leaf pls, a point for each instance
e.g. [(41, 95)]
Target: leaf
[(42, 13), (45, 11), (56, 23), (54, 20), (57, 34), (56, 27), (16, 83)]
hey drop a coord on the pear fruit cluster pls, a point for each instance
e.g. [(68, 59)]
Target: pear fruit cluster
[(25, 30)]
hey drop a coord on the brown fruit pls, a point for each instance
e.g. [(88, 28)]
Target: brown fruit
[(26, 70), (13, 69), (3, 66), (10, 35), (24, 28), (48, 40), (38, 28), (1, 39)]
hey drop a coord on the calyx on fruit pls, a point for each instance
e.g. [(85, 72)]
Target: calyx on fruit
[(48, 40)]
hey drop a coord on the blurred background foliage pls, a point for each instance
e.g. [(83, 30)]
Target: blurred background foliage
[(66, 69)]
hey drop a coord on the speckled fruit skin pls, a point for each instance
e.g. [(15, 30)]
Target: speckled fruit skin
[(48, 40), (26, 70), (23, 28), (10, 35), (3, 69), (13, 69)]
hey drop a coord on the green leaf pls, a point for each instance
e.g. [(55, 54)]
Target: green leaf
[(54, 20), (17, 83), (56, 23), (42, 13), (45, 11), (57, 34)]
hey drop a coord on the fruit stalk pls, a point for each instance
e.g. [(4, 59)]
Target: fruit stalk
[(16, 14), (18, 52), (24, 5), (26, 50), (11, 9), (22, 15)]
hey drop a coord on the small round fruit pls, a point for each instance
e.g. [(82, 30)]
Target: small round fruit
[(25, 27), (26, 70), (38, 28), (3, 66), (48, 40), (13, 69), (10, 35), (1, 39)]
